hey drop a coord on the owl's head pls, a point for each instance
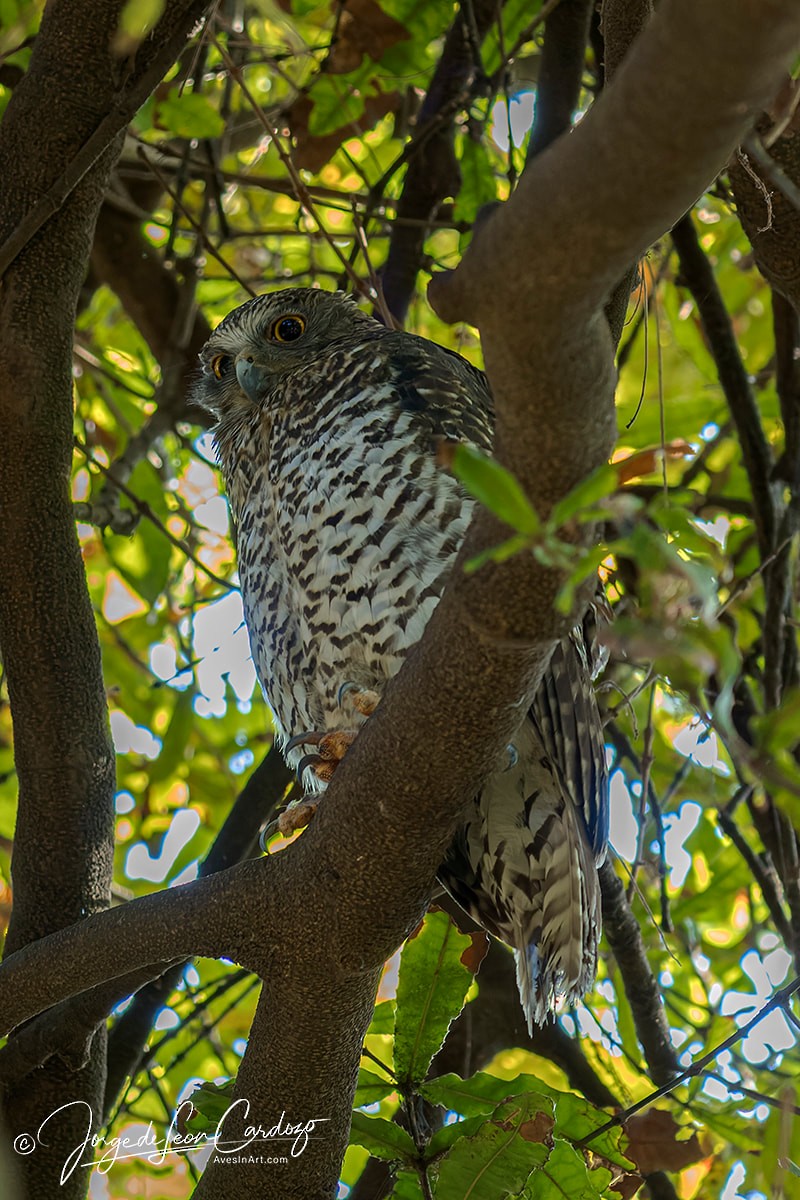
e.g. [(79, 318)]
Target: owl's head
[(277, 335)]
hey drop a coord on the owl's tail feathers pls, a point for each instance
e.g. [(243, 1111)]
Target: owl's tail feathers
[(537, 1002), (558, 960)]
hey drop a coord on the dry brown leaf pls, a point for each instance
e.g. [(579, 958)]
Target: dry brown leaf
[(313, 151), (626, 1185), (653, 1143), (476, 951), (364, 28), (645, 462), (538, 1129)]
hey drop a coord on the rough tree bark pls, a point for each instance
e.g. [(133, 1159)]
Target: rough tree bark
[(64, 756)]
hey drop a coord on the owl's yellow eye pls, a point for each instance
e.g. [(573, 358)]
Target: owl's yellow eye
[(287, 328), (219, 364)]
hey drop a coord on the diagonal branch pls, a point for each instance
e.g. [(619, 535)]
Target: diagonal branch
[(698, 275), (642, 990), (560, 72), (82, 94), (98, 139), (235, 841), (193, 919), (433, 174)]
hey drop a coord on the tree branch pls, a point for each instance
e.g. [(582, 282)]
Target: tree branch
[(235, 841), (125, 261), (560, 72), (699, 278), (769, 218), (621, 22), (206, 917), (642, 990), (129, 88), (678, 105), (433, 173), (63, 751), (67, 1028)]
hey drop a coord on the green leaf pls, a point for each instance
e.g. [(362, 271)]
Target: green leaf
[(495, 488), (425, 20), (176, 738), (588, 563), (210, 1101), (143, 559), (726, 1122), (190, 115), (447, 1136), (339, 100), (477, 1095), (382, 1023), (565, 1176), (516, 16), (498, 1159), (136, 20), (481, 1092), (500, 553), (576, 1119), (432, 985), (371, 1088), (382, 1138), (407, 1186), (601, 483), (478, 180)]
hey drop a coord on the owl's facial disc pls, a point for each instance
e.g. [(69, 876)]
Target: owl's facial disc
[(256, 364), (271, 338)]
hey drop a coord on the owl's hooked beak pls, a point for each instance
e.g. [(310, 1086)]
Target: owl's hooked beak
[(252, 379)]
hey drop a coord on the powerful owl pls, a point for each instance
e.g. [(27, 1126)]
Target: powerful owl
[(346, 526)]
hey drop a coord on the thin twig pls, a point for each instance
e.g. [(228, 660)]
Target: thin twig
[(779, 1000), (699, 277), (196, 226), (302, 193), (762, 875), (524, 37), (645, 765), (146, 511), (774, 173), (85, 158)]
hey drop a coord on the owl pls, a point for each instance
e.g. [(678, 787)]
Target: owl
[(347, 528)]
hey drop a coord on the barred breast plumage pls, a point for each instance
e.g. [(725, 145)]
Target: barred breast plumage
[(346, 530)]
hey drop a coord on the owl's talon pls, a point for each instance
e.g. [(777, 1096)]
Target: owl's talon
[(344, 689), (323, 768), (365, 700), (305, 762), (331, 749), (303, 739), (297, 817), (513, 757)]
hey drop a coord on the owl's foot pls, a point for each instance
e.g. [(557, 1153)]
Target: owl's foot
[(331, 749), (363, 700), (297, 817)]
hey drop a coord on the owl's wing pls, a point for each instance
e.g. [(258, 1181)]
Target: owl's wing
[(566, 716), (447, 395), (451, 398)]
